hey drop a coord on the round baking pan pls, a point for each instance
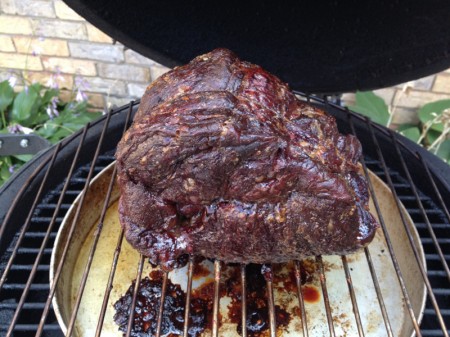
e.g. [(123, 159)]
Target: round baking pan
[(343, 319)]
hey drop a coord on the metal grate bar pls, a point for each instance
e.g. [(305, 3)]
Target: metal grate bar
[(32, 327), (20, 194), (91, 255), (29, 267), (387, 237), (135, 292), (161, 304), (28, 220), (117, 251), (326, 300), (410, 238), (187, 307), (96, 238), (445, 312), (376, 284), (352, 296), (215, 322), (25, 306), (433, 333), (301, 300), (435, 189), (42, 249), (266, 270), (109, 286), (243, 301), (72, 227), (384, 313), (24, 250), (21, 286), (404, 193)]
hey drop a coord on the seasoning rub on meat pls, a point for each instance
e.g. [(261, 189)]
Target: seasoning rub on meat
[(222, 160)]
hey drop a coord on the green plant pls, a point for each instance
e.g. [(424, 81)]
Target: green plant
[(432, 132), (37, 109)]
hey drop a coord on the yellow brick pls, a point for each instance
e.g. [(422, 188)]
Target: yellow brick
[(20, 61), (405, 116), (62, 29), (63, 80), (69, 66), (416, 98), (51, 47), (66, 95), (6, 44), (96, 35), (442, 83), (15, 25), (65, 12), (96, 100)]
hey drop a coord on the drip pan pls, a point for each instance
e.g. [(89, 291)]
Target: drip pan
[(87, 221)]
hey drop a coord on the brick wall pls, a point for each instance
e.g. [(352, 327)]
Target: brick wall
[(405, 99), (38, 37)]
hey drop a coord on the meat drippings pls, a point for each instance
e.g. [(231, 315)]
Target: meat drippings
[(147, 307), (257, 321)]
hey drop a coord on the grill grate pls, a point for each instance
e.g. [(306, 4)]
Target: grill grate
[(25, 301)]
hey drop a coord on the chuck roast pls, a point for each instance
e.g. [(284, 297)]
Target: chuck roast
[(222, 160)]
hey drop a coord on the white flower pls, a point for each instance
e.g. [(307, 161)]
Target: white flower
[(12, 81)]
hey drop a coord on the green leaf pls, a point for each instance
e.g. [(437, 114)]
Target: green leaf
[(47, 129), (4, 172), (444, 151), (23, 157), (372, 106), (426, 113), (431, 136), (6, 95), (25, 105), (413, 133), (48, 95)]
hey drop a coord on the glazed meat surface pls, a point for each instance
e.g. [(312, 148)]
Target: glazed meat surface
[(222, 160)]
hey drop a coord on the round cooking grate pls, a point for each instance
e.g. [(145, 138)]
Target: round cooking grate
[(31, 214)]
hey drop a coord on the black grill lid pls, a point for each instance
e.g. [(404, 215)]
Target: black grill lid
[(317, 47)]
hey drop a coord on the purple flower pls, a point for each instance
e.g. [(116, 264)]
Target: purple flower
[(81, 83), (11, 169), (17, 128), (52, 109), (81, 96), (54, 78)]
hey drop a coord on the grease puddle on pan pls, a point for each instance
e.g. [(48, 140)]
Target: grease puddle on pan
[(288, 312)]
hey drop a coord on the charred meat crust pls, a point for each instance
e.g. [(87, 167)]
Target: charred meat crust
[(223, 161)]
